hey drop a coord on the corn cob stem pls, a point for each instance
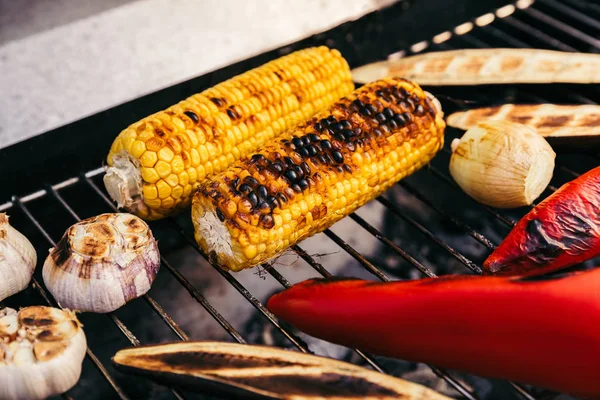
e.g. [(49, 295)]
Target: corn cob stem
[(319, 172), (156, 163)]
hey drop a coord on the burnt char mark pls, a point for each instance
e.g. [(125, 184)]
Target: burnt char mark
[(62, 252), (362, 121), (192, 115), (327, 384), (591, 120), (554, 121), (543, 278), (232, 113), (199, 361), (219, 101), (542, 249)]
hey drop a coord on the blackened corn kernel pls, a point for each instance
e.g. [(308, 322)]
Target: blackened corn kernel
[(257, 158), (400, 119), (348, 133), (282, 198), (303, 151), (338, 157), (337, 127), (356, 156), (318, 127), (253, 199), (326, 144), (290, 175), (251, 181), (220, 214), (313, 137), (192, 115), (346, 124), (388, 112), (296, 141), (244, 188), (276, 167), (303, 183), (262, 191), (273, 202)]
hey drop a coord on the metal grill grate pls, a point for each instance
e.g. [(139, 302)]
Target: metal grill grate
[(462, 235)]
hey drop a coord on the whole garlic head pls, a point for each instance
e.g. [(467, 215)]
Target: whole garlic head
[(102, 262), (502, 164), (17, 259), (41, 352)]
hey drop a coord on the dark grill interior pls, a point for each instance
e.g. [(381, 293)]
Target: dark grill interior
[(423, 226)]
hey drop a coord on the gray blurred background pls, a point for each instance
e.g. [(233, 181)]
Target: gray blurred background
[(61, 60)]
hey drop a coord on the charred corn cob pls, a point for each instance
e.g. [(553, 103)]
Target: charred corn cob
[(156, 162), (315, 174)]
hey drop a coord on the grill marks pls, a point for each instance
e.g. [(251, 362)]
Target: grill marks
[(357, 128), (549, 120), (263, 371)]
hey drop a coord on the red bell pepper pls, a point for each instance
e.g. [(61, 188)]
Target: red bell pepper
[(542, 331), (561, 231)]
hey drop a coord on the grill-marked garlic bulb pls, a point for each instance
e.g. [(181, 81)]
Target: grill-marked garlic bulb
[(502, 164), (17, 259), (41, 352), (102, 262)]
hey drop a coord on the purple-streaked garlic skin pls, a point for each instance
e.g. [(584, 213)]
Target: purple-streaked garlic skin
[(17, 259), (102, 262), (41, 352)]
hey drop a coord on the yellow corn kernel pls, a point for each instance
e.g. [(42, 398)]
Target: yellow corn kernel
[(148, 159), (177, 164), (150, 192), (172, 180), (137, 148), (209, 131), (176, 192), (164, 190), (341, 180), (162, 168), (150, 175), (166, 154)]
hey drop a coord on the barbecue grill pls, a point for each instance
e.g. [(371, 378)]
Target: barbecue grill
[(423, 226)]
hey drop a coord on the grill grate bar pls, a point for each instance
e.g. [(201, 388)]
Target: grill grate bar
[(51, 302), (460, 224), (356, 255), (299, 343), (505, 220), (369, 358), (191, 289), (427, 233), (536, 33), (286, 284), (397, 249), (571, 12), (116, 320), (562, 26)]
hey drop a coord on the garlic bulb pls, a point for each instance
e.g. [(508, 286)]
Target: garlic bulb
[(17, 259), (502, 164), (102, 262), (41, 352)]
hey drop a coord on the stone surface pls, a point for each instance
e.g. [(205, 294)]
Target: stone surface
[(61, 60)]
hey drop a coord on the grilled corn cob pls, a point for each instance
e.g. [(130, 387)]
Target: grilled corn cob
[(156, 162), (315, 174)]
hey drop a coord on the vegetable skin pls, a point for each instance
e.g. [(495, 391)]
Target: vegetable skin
[(537, 331)]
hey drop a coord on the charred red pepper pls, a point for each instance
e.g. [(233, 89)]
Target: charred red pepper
[(543, 331), (561, 231)]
